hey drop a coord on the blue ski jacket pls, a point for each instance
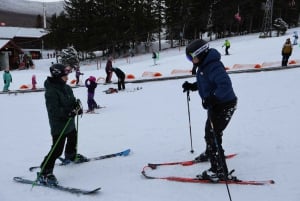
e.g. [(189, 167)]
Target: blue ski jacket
[(213, 80)]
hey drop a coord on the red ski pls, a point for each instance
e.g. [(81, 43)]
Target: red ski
[(207, 181), (183, 163)]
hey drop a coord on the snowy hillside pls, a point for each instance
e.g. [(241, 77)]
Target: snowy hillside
[(153, 123), (31, 7)]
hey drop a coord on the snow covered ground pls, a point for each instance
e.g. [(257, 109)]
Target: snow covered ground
[(153, 123)]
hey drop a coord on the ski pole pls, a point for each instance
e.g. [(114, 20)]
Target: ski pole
[(220, 157), (188, 105), (77, 125), (51, 151)]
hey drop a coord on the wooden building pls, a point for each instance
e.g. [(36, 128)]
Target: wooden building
[(17, 43)]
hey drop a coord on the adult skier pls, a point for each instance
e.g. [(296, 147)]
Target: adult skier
[(218, 98), (77, 74), (286, 52), (121, 78), (108, 70)]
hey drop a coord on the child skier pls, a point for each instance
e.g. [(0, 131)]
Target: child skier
[(91, 84), (33, 82), (7, 78)]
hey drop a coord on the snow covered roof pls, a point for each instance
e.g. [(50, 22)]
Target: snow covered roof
[(3, 43), (12, 32)]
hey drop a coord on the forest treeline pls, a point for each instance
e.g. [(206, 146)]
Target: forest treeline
[(91, 25)]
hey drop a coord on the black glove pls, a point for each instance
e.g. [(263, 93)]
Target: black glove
[(72, 114), (194, 70), (80, 111), (189, 86), (209, 102), (77, 109), (4, 81)]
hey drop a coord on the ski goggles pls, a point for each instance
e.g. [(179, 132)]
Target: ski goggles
[(192, 55), (67, 70)]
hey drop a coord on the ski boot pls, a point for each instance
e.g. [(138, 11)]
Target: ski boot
[(47, 179), (90, 111), (202, 157), (216, 177), (210, 175), (80, 159)]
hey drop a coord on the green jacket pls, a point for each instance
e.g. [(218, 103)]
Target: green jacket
[(226, 43), (60, 101), (7, 77)]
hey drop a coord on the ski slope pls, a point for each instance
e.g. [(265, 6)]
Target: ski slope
[(153, 123)]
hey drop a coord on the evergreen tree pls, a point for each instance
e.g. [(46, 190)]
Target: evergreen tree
[(117, 25), (39, 21)]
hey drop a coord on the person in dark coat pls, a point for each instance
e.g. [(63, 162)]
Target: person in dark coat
[(218, 98), (108, 70), (77, 75), (91, 85), (121, 78), (154, 57), (62, 107)]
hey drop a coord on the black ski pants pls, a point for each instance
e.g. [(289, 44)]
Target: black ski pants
[(217, 120), (55, 152)]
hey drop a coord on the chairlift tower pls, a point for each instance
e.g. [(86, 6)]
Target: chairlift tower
[(44, 16), (266, 30), (210, 23)]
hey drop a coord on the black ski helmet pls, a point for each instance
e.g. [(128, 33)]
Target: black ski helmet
[(59, 70), (197, 48)]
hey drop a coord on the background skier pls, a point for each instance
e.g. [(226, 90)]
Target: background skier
[(154, 57), (227, 46), (77, 74), (121, 78), (295, 36), (33, 82), (108, 70), (91, 85), (7, 78), (286, 52)]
